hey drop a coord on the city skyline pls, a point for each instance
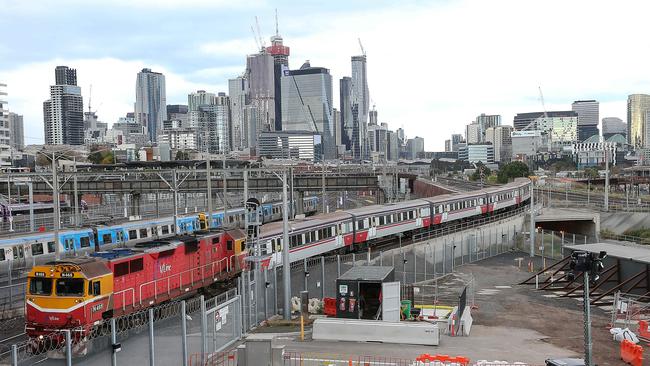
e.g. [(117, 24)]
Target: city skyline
[(438, 103)]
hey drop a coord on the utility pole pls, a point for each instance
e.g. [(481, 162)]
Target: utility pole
[(532, 219), (57, 209), (76, 194), (286, 261), (606, 180), (323, 187), (225, 191), (208, 172), (175, 191), (587, 320)]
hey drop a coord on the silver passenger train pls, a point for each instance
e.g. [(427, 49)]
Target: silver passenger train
[(343, 230)]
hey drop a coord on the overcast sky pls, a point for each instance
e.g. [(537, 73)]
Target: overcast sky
[(433, 66)]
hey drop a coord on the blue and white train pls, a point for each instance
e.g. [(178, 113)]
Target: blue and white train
[(26, 248)]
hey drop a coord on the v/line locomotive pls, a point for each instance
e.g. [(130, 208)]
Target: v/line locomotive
[(81, 292), (22, 249)]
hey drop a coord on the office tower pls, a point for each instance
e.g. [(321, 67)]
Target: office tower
[(239, 129), (393, 146), (336, 117), (5, 139), (500, 137), (485, 121), (151, 102), (447, 145), (348, 133), (588, 117), (401, 136), (378, 141), (16, 131), (373, 120), (307, 104), (210, 118), (63, 112), (559, 127), (456, 139), (473, 133), (260, 76), (613, 126), (177, 116), (359, 103), (280, 54), (637, 106), (414, 147)]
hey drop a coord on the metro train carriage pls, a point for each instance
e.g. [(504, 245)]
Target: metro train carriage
[(79, 292), (356, 227), (31, 248)]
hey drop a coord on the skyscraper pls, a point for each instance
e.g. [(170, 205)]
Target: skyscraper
[(63, 112), (280, 54), (637, 106), (177, 116), (359, 103), (239, 130), (151, 102), (473, 133), (213, 122), (500, 137), (261, 86), (414, 147), (373, 120), (16, 131), (347, 128), (5, 141), (307, 104), (485, 121), (588, 117)]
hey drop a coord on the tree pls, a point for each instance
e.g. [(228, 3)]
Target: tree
[(481, 170), (591, 173), (512, 170), (100, 155), (182, 155)]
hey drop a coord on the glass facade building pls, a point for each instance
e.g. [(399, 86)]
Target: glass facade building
[(637, 107), (588, 117), (63, 112), (307, 104), (151, 102)]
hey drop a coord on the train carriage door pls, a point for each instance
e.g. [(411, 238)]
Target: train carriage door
[(18, 255)]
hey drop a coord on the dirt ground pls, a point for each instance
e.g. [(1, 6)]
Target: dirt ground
[(558, 319)]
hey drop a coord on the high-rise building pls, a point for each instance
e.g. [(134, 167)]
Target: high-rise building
[(393, 146), (559, 127), (588, 117), (473, 133), (359, 103), (151, 102), (5, 140), (64, 75), (336, 115), (637, 124), (94, 129), (475, 153), (378, 141), (280, 54), (63, 112), (456, 139), (500, 137), (348, 133), (261, 86), (301, 145), (210, 118), (239, 129), (613, 126), (307, 104), (414, 147), (373, 120), (177, 116), (16, 131), (447, 145), (485, 121)]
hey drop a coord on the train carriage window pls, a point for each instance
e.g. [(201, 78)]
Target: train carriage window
[(448, 208), (37, 248), (136, 265), (133, 234), (107, 239), (84, 242), (50, 247), (120, 236), (165, 229), (143, 233), (121, 269), (70, 287), (68, 245), (278, 245), (382, 220)]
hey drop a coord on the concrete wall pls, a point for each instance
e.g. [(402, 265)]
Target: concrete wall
[(427, 188), (619, 222)]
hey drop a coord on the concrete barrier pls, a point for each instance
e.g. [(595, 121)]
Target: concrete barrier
[(352, 330)]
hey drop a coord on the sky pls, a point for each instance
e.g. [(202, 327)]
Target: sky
[(433, 66)]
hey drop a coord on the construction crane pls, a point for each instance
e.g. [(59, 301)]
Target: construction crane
[(363, 51), (532, 123), (259, 34), (257, 42)]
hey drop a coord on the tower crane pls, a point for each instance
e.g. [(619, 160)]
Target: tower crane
[(363, 51)]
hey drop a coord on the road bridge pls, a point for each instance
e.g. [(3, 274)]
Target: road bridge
[(569, 220)]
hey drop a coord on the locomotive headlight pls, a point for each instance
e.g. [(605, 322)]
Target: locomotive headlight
[(78, 301), (40, 336)]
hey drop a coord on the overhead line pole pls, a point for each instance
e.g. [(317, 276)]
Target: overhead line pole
[(286, 261)]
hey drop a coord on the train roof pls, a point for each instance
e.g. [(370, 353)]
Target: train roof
[(88, 266), (275, 228), (361, 211)]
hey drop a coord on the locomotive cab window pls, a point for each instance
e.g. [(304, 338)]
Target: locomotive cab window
[(69, 287), (40, 286), (94, 288)]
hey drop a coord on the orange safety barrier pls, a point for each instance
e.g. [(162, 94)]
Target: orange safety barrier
[(460, 360), (631, 353), (329, 307), (643, 329)]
